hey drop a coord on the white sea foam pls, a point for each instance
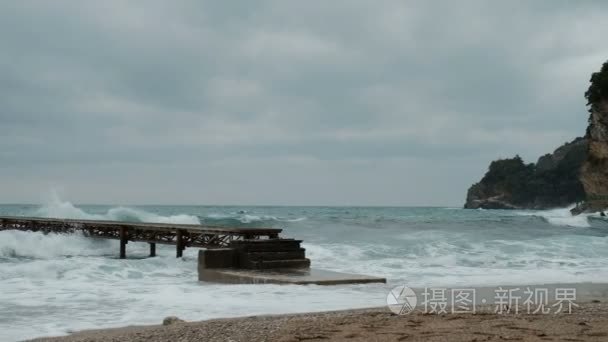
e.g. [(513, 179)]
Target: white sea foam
[(562, 217), (36, 245), (57, 208), (249, 218), (69, 282), (256, 218)]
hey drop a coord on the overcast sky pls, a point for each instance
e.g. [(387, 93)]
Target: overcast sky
[(285, 102)]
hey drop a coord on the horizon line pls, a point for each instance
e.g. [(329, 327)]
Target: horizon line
[(246, 205)]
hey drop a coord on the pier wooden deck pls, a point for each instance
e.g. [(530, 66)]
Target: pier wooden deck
[(180, 235)]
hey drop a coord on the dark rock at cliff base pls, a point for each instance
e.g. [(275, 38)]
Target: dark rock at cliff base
[(552, 182)]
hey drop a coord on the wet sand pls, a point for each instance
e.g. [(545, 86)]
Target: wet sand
[(588, 322)]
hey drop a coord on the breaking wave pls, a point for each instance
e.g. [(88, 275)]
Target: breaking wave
[(244, 217), (35, 245), (57, 208), (563, 217)]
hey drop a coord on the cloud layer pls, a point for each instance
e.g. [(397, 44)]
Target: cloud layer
[(285, 102)]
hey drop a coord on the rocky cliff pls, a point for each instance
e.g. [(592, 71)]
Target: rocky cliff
[(594, 174), (577, 172), (552, 182)]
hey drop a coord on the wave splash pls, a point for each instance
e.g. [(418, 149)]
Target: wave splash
[(563, 217), (244, 217), (35, 245), (57, 208)]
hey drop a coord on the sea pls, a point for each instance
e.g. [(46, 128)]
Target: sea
[(56, 284)]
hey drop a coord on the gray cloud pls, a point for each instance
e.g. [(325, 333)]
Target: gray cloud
[(346, 102)]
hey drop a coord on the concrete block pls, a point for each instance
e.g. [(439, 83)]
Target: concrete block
[(217, 258)]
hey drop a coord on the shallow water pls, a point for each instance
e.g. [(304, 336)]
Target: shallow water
[(55, 284)]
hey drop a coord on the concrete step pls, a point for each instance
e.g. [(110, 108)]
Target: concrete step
[(295, 254), (254, 241), (278, 245), (272, 264)]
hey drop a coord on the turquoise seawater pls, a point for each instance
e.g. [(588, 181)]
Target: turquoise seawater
[(55, 284)]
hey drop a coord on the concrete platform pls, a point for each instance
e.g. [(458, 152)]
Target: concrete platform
[(288, 276)]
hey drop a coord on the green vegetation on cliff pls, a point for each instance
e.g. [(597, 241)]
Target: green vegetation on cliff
[(598, 89), (510, 177), (597, 92), (552, 182)]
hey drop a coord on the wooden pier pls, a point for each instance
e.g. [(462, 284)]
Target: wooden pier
[(228, 255), (180, 235)]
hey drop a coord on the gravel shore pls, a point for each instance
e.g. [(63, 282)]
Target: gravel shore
[(589, 322)]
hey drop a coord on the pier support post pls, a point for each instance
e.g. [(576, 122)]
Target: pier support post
[(152, 249), (123, 242), (180, 244)]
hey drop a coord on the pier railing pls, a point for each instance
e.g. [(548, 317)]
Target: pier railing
[(180, 235)]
